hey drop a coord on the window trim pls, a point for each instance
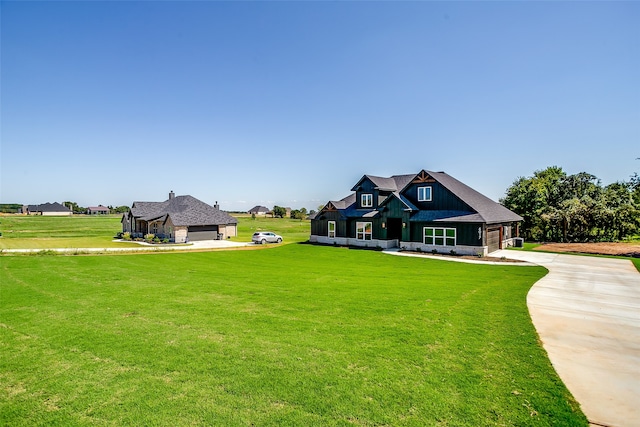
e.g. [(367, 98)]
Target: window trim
[(440, 234), (422, 196), (361, 231), (368, 197), (331, 231)]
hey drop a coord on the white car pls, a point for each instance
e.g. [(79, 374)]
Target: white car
[(263, 237)]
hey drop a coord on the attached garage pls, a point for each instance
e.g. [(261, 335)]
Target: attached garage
[(493, 239), (202, 232), (180, 219)]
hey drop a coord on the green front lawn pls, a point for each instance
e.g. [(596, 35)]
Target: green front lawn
[(292, 230), (47, 232), (298, 335), (82, 231)]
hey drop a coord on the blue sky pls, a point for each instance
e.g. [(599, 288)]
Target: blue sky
[(290, 103)]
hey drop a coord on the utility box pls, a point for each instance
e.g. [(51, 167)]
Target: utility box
[(518, 242)]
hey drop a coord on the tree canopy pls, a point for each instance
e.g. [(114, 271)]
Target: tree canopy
[(574, 208)]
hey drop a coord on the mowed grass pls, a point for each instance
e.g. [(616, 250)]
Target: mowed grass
[(82, 231), (47, 232), (296, 335), (292, 230)]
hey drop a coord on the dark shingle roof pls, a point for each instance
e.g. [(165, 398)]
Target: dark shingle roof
[(258, 209), (344, 203), (446, 216), (394, 183), (490, 211), (49, 207), (183, 211), (482, 209)]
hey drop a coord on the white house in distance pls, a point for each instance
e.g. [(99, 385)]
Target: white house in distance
[(97, 210), (47, 209), (258, 210)]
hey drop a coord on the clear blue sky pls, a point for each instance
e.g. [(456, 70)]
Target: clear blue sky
[(290, 103)]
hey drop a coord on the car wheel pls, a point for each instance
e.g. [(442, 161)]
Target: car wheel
[(279, 240), (263, 241)]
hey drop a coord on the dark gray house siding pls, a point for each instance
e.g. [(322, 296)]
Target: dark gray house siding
[(427, 211)]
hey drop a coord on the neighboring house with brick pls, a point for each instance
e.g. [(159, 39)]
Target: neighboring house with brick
[(180, 219), (97, 210), (258, 210), (427, 211), (47, 209)]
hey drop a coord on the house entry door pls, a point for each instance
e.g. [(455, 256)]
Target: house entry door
[(394, 229)]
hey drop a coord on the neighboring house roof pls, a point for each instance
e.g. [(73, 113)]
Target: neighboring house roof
[(183, 211), (98, 208), (49, 207), (258, 209)]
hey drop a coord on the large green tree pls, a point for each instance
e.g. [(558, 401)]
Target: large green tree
[(573, 208)]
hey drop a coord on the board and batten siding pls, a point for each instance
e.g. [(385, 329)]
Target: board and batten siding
[(466, 234), (321, 227), (441, 198)]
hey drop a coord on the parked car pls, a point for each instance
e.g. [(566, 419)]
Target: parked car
[(263, 237)]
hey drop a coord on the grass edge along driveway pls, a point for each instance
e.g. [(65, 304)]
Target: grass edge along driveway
[(295, 335)]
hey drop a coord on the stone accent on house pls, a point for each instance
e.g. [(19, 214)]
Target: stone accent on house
[(180, 234)]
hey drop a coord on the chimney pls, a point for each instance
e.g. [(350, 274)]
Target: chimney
[(171, 195), (216, 206)]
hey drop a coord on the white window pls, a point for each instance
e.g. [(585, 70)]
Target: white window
[(364, 230), (366, 200), (424, 194), (439, 236), (332, 230)]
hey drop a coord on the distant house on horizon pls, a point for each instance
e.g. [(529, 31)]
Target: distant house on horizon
[(47, 209), (97, 210), (427, 211), (258, 210), (180, 219)]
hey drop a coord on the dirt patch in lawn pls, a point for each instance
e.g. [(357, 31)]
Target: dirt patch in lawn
[(601, 248)]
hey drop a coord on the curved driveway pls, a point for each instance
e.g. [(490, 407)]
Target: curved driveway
[(587, 314)]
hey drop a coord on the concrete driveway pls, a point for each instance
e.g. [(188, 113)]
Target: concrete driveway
[(587, 314)]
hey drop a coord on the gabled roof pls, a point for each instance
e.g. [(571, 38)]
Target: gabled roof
[(394, 183), (489, 211), (345, 202), (183, 211), (481, 208), (49, 207), (259, 209), (396, 194)]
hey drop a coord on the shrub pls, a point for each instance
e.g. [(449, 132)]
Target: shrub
[(149, 236), (434, 251), (126, 236), (453, 252)]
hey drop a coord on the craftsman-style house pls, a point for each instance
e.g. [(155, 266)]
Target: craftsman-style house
[(428, 211), (180, 219)]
